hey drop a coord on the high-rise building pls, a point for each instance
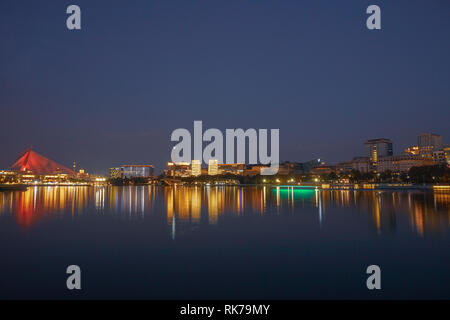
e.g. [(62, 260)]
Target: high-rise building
[(377, 148), (213, 167), (428, 143), (196, 167)]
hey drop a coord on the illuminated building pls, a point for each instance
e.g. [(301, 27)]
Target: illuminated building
[(231, 168), (412, 150), (213, 168), (377, 148), (361, 164), (82, 174), (439, 157), (428, 143), (402, 163), (8, 176), (447, 154), (134, 171), (131, 171), (52, 178), (115, 173), (196, 167), (178, 169), (322, 170), (285, 168), (8, 173)]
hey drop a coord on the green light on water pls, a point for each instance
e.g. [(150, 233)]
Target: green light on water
[(297, 193)]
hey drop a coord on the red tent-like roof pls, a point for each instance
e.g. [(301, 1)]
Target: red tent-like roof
[(38, 164)]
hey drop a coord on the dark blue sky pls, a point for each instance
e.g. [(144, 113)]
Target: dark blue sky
[(113, 92)]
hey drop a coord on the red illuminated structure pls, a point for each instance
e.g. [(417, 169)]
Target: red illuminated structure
[(38, 164)]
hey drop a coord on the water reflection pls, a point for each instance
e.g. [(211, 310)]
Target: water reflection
[(425, 212)]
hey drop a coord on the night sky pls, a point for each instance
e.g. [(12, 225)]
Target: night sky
[(113, 92)]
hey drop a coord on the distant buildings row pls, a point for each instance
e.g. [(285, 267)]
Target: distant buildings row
[(34, 168), (183, 169), (380, 158), (194, 168)]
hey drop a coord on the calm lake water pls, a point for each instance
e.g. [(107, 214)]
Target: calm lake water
[(223, 242)]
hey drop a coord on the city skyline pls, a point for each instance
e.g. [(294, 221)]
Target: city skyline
[(112, 92), (19, 161)]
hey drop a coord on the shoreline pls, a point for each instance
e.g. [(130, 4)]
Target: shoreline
[(319, 186)]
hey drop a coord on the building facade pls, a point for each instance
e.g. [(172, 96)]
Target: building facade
[(412, 150), (115, 173), (232, 168), (361, 164), (428, 143), (196, 168), (322, 170), (134, 171), (377, 148), (447, 154), (402, 163), (131, 171), (213, 167), (439, 157), (178, 169)]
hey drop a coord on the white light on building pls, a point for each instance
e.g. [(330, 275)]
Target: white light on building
[(196, 167), (213, 167)]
